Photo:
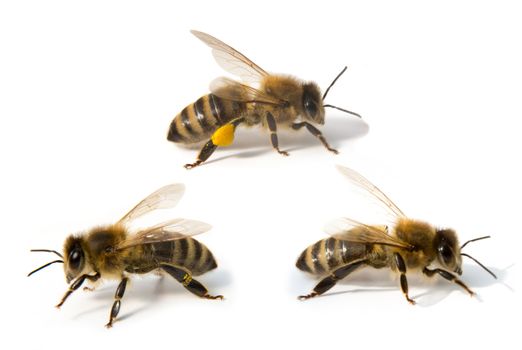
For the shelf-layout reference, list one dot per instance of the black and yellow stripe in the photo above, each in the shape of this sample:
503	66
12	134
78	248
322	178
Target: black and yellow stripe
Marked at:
193	256
326	255
198	121
186	253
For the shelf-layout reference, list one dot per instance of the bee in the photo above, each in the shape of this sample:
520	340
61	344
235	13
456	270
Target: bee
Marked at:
277	100
411	246
114	252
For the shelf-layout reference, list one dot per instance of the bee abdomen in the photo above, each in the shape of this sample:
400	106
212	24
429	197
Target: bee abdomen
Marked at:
193	255
199	120
328	254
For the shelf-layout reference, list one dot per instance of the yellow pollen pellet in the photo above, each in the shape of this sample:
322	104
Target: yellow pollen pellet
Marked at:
224	136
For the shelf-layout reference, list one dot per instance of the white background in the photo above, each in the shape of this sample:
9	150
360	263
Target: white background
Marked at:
88	90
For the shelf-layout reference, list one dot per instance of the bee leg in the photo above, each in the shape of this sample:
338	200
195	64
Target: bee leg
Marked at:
77	284
314	131
401	266
449	276
223	136
117	303
330	281
273	133
203	155
184	277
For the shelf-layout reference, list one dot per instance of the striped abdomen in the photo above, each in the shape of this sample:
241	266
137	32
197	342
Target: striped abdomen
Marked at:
198	121
186	253
328	254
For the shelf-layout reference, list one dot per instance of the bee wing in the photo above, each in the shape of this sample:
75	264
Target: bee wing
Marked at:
166	231
373	190
232	60
166	197
233	90
353	231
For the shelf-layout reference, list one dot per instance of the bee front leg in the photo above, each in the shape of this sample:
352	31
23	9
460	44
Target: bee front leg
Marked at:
449	276
117	303
328	282
273	133
77	284
401	266
314	131
184	277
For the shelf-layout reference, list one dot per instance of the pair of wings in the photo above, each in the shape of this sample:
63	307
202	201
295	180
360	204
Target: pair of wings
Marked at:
166	197
343	228
239	65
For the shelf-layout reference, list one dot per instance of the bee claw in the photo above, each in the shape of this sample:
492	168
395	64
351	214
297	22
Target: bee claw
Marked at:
308	296
214	297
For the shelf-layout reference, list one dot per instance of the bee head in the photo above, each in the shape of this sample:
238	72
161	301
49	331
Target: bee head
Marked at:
448	251
312	103
74	257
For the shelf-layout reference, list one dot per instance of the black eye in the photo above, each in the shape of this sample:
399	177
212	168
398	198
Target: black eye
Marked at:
75	259
446	253
310	107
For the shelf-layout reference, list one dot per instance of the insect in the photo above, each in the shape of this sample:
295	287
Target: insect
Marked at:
114	252
412	245
278	100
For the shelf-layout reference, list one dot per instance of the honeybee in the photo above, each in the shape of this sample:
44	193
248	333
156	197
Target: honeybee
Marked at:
114	252
412	245
278	100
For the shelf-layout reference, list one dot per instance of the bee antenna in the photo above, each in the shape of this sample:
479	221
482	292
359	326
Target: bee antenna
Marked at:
473	240
44	266
333	82
478	262
47	251
344	110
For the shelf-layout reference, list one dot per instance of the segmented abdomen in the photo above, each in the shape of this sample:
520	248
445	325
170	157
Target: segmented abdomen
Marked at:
186	253
199	120
328	254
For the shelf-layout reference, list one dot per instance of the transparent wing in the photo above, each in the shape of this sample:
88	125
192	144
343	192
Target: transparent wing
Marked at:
353	231
166	197
373	190
232	90
166	231
232	60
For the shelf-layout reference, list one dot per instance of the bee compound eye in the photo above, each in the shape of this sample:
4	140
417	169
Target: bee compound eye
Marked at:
446	253
75	258
310	107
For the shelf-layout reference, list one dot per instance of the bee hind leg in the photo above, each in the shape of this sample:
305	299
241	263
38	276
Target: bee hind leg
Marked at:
314	131
185	278
449	276
223	136
203	155
328	282
117	302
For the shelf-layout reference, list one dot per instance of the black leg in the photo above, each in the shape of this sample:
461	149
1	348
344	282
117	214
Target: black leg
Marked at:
210	146
76	284
401	266
184	277
330	281
273	133
314	131
449	276
117	303
203	155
